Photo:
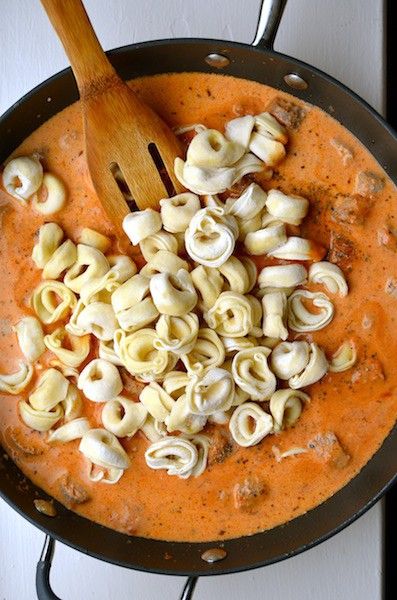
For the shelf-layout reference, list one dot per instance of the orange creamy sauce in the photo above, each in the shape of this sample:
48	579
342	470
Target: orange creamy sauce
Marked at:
359	405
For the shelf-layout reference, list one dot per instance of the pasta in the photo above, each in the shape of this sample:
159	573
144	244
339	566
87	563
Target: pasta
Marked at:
330	275
315	369
74	352
100	381
22	177
39	420
210	149
210	393
107	352
207	353
102	448
52	301
162	240
123	417
344	358
177	211
301	319
177	334
173	294
210	237
175	383
231	315
240	276
133	305
249	424
51	390
181	419
140	356
282	276
252	374
49	238
287	208
100	289
286	407
267	240
90	264
209	283
157	401
91	237
54	195
249	204
30	338
267	125
177	455
239	130
140	224
16	382
275	315
235	344
72	430
62	258
71	326
248	225
296	248
289	359
268	150
153	430
72	404
164	262
99	319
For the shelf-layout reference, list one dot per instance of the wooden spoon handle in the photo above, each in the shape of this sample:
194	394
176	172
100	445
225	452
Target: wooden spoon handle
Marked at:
74	29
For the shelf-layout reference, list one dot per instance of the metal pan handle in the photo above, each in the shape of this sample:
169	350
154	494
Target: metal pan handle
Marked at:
269	19
43	586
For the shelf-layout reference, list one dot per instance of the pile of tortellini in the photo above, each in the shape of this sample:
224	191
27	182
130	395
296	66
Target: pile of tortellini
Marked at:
197	324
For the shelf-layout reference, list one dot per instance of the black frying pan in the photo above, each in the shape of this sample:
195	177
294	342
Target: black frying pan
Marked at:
260	63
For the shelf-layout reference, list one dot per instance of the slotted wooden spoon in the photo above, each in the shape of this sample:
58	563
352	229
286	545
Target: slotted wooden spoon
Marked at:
120	130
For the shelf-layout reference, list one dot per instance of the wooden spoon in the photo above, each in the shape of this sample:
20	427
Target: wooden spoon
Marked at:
120	130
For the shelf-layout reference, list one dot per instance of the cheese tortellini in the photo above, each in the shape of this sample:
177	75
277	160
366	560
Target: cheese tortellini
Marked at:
133	305
178	211
123	417
289	359
177	334
286	407
210	393
287	208
54	196
90	263
275	315
22	177
16	382
173	294
103	449
140	356
52	301
208	352
30	338
140	224
211	237
252	374
344	358
179	456
330	275
71	350
315	369
100	381
231	316
249	424
301	319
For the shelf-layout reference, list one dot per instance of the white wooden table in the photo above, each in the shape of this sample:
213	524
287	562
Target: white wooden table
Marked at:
343	38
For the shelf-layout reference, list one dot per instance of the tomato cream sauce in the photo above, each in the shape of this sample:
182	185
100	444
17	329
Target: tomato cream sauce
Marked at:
243	490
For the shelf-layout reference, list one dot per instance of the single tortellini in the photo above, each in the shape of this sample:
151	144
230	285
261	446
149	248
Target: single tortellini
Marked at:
164	262
297	248
123	417
99	319
49	239
162	240
287	208
208	352
268	150
265	241
249	204
239	275
282	276
107	352
247	226
330	275
140	356
211	392
133	304
178	211
235	344
72	404
90	264
71	350
22	177
153	430
289	359
315	369
52	301
51	198
231	315
267	125
100	381
210	149
204	181
40	420
249	424
173	294
177	455
103	449
182	419
91	237
16	382
275	315
175	383
239	130
140	224
177	334
73	430
51	390
30	338
252	374
63	258
301	319
344	358
286	407
209	283
211	236
157	401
